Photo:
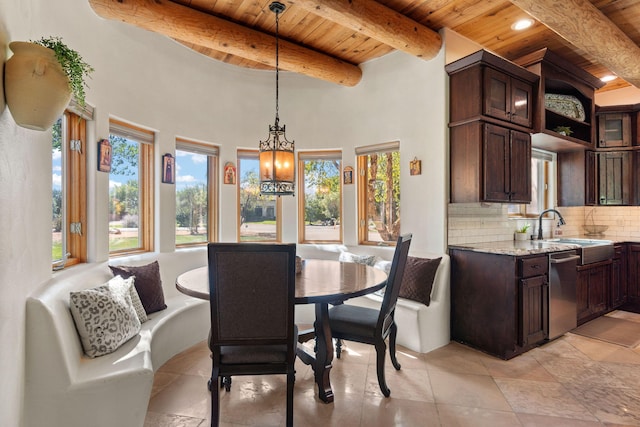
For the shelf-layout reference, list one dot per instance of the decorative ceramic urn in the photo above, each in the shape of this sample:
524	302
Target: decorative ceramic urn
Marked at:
36	88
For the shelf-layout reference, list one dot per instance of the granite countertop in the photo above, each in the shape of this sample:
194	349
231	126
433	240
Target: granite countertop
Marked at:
532	247
516	248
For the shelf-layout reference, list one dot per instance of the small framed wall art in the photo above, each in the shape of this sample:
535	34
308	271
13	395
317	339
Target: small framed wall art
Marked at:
168	169
229	173
104	155
347	175
415	166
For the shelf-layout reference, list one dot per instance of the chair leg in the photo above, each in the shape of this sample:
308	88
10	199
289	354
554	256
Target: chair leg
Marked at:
225	382
381	352
392	346
338	348
290	383
215	400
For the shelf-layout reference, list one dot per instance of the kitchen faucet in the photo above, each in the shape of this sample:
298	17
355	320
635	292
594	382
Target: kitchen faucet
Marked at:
560	221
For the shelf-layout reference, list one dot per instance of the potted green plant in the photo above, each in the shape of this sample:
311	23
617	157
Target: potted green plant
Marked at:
40	79
521	233
563	130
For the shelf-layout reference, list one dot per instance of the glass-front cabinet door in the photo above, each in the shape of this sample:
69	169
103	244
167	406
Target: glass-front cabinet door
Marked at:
614	130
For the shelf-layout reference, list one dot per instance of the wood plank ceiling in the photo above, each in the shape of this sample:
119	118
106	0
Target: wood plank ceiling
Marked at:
328	39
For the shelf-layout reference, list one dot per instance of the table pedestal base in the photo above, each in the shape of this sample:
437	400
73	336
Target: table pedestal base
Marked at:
321	360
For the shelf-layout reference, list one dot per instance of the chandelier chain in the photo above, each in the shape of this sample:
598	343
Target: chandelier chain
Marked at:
277	12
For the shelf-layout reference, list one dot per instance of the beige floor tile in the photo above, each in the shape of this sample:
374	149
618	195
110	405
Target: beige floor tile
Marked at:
463	416
346	377
456	357
611	405
626	376
522	367
194	359
187	396
169	420
587	374
408	384
383	412
602	351
542	398
559	348
534	420
476	391
161	380
309	411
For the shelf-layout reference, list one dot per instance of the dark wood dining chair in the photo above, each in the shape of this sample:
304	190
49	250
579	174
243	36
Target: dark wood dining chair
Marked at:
252	297
372	326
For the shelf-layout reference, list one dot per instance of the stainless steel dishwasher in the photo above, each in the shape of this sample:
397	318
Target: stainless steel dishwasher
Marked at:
563	314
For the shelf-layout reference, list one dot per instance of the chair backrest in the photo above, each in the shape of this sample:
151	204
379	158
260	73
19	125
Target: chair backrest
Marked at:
252	294
394	281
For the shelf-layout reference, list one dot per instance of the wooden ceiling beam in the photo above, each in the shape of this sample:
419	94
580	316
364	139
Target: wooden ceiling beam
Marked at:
580	23
378	22
191	26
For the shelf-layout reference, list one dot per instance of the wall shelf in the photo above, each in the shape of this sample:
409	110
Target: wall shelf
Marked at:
558	76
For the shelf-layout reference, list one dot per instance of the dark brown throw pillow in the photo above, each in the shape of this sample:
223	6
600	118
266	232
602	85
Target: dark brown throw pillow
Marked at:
147	282
417	281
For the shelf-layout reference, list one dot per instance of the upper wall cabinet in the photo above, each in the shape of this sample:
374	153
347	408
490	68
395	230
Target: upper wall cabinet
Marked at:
483	86
507	98
614	130
489	163
618	126
565	116
491	115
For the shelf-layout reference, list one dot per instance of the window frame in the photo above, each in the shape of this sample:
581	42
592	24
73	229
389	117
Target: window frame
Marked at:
317	155
212	153
546	185
362	154
146	140
250	154
74	186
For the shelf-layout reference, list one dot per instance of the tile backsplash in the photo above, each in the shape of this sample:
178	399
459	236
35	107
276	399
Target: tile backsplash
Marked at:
487	222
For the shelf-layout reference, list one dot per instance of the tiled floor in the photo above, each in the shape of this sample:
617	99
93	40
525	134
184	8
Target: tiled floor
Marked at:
572	381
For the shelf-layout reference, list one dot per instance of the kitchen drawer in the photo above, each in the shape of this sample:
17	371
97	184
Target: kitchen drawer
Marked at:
534	266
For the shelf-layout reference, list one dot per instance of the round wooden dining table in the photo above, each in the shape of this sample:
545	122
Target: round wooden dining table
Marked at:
320	282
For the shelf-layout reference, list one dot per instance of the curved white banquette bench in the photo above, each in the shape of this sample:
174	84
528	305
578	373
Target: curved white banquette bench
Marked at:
421	328
65	388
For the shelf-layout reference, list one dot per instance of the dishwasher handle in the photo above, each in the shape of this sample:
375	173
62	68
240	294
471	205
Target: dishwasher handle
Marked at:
562	260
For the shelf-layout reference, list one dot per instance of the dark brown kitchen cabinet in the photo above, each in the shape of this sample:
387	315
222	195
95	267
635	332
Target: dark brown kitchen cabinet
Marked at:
577	178
591	178
507	98
489	163
490	123
483	86
608	178
592	290
633	278
499	303
615	177
534	310
614	130
619	277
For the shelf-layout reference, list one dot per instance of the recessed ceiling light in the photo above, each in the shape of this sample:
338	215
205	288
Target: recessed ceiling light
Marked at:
522	24
608	78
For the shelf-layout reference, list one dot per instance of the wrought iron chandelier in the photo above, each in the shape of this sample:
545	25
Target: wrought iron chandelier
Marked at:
277	160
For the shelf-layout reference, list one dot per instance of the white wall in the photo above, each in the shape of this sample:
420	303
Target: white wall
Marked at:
629	95
156	83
